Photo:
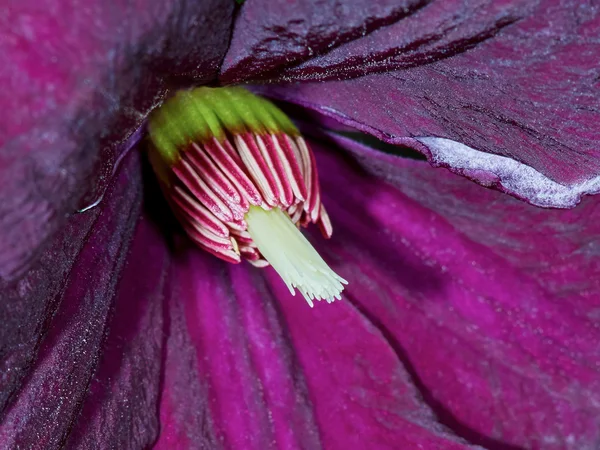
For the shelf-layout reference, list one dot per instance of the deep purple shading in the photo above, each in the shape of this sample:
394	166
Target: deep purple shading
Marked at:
76	82
55	319
437	30
120	410
554	131
269	34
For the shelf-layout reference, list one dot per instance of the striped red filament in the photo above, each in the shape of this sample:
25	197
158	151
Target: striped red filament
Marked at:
216	182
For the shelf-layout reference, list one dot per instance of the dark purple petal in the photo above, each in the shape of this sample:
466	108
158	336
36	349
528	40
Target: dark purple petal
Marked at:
121	407
529	93
490	304
76	80
242	374
437	30
185	416
56	317
269	34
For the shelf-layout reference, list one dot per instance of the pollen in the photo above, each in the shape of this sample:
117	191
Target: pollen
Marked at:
241	180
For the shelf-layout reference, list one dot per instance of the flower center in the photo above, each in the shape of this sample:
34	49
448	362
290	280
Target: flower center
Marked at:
241	179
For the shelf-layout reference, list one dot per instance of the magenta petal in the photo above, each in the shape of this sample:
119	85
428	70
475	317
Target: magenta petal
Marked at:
490	303
55	319
363	396
231	374
78	80
243	375
269	34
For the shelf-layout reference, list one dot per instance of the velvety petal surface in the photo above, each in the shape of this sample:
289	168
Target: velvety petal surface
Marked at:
528	92
121	407
54	324
271	34
437	30
470	319
489	304
427	32
77	79
248	367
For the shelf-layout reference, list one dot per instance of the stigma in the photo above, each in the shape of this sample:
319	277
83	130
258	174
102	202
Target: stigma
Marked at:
241	180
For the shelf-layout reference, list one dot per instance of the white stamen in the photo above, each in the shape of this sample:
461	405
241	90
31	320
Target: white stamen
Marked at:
292	256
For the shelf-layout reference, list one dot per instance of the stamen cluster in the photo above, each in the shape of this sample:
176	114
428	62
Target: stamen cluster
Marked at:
221	153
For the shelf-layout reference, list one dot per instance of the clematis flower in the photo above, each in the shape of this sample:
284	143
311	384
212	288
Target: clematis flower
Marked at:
471	314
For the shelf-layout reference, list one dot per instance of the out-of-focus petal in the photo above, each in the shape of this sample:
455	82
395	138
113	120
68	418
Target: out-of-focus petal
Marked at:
55	320
271	34
76	80
490	304
236	375
529	93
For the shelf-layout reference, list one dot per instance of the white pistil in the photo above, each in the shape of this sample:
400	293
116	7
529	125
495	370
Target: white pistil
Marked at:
292	256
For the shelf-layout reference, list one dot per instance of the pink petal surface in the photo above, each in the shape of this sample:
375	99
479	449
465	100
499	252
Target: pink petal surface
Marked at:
256	396
76	81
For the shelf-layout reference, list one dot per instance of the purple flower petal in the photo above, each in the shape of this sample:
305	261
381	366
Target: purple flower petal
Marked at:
470	317
121	406
231	375
528	93
242	373
490	304
436	30
55	318
77	80
269	34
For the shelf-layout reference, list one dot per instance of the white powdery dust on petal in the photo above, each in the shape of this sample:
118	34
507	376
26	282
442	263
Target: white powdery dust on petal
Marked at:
515	178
